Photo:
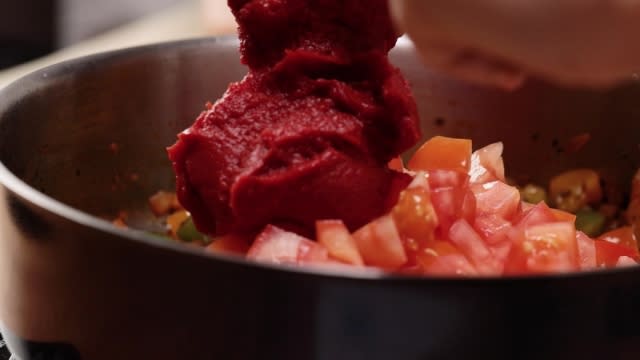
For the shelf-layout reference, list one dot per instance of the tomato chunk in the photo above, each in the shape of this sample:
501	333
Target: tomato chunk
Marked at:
536	215
487	164
608	254
561	215
497	198
444	259
447	179
415	217
451	198
278	246
442	153
465	238
586	251
622	236
492	228
380	244
335	236
545	248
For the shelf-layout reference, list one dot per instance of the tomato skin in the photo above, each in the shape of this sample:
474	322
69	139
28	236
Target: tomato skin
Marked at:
544	248
497	198
624	236
608	254
335	236
442	153
275	245
379	244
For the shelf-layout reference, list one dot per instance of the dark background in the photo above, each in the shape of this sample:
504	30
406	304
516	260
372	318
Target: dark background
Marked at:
33	28
27	30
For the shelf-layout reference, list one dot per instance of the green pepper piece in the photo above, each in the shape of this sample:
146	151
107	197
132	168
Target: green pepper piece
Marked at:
590	222
533	194
188	232
159	236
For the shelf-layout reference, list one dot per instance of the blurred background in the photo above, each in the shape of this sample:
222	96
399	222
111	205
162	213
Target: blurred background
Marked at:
31	29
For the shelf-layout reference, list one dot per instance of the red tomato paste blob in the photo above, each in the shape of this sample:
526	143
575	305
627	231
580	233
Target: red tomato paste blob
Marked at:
308	133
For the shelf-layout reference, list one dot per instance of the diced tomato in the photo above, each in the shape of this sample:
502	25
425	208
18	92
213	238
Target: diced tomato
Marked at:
586	251
564	216
492	228
442	153
465	238
625	261
426	256
452	204
396	164
487	164
501	251
546	248
450	265
278	246
335	236
420	180
608	254
233	244
380	244
537	215
469	206
447	179
415	217
496	198
444	259
437	248
525	206
623	236
447	263
450	197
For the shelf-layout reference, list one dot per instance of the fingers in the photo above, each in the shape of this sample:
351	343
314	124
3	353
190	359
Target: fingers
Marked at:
474	67
575	42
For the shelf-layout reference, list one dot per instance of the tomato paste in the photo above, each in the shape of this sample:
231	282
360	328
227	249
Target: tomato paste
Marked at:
308	133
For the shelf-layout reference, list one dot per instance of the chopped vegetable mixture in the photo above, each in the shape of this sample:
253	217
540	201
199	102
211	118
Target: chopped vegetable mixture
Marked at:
458	217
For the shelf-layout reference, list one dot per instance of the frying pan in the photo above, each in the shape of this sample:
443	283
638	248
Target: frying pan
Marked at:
84	139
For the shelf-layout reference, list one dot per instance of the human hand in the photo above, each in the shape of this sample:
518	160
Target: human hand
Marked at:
573	42
217	17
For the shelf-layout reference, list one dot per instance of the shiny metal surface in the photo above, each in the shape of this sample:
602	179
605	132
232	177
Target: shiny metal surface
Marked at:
83	140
